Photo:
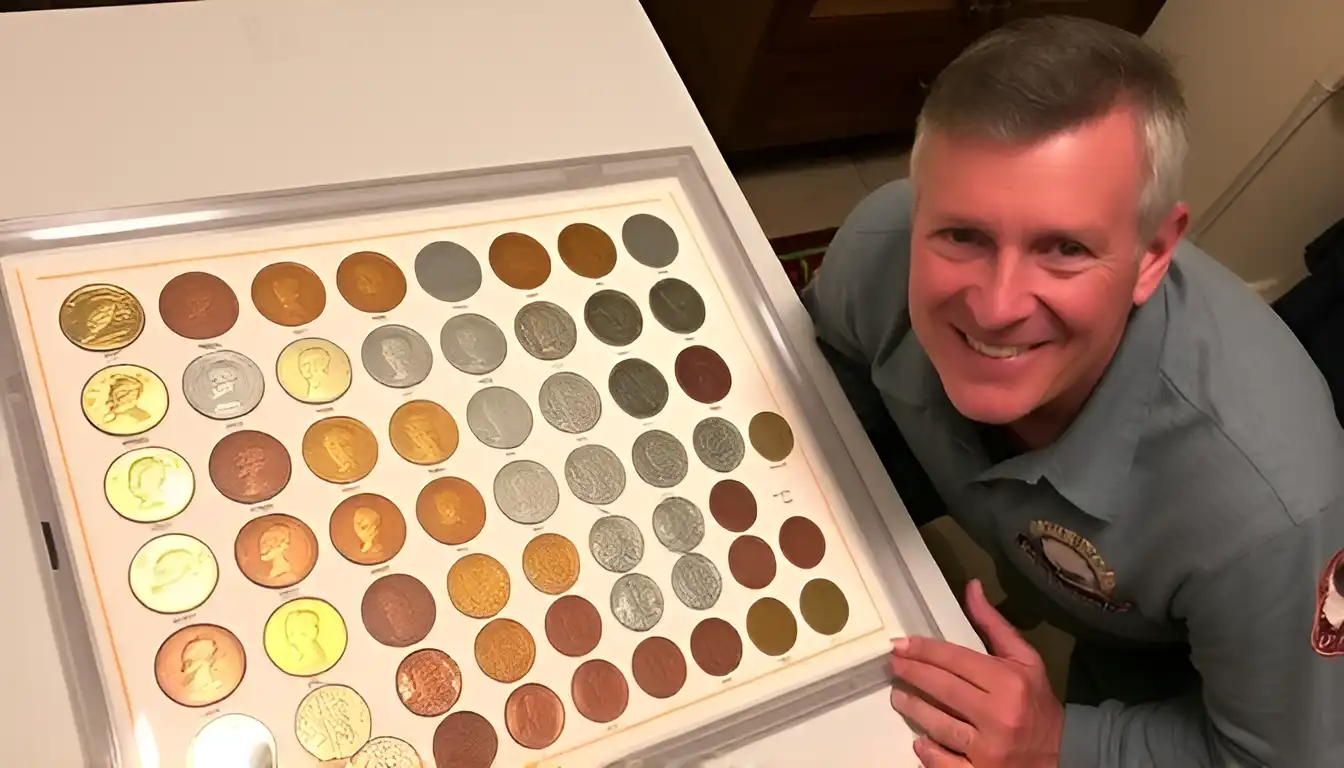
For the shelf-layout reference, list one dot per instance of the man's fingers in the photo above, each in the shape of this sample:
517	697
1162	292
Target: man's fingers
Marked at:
950	690
1002	637
939	725
973	666
933	756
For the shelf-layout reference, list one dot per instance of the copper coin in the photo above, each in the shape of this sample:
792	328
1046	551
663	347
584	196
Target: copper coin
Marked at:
751	562
802	542
771	436
200	665
505	650
659	667
422	432
465	740
367	529
824	606
275	551
450	510
771	626
429	682
288	294
398	610
520	261
716	647
371	282
703	374
587	250
198	305
340	449
249	467
732	505
534	716
573	626
599	691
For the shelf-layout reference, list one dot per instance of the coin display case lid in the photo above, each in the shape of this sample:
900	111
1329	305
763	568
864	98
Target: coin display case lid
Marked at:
338	476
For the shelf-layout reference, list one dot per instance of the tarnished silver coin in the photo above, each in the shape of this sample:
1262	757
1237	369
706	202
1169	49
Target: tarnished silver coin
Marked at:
545	330
719	444
638	388
499	417
616	543
473	344
649	240
696	581
678	524
636	602
595	474
659	459
223	385
569	402
613	318
526	492
677	306
396	356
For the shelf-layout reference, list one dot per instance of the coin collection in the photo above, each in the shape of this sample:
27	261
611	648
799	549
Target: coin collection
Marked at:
482	485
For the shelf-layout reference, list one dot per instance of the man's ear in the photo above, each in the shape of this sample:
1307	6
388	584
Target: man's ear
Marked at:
1157	252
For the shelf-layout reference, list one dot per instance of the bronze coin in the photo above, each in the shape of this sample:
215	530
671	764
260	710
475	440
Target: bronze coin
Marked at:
198	305
398	610
771	436
340	449
423	432
534	716
505	650
802	542
752	562
771	626
200	665
249	467
824	606
599	691
659	667
732	505
587	250
716	647
275	551
371	282
450	510
520	261
703	374
367	529
465	740
429	682
288	294
573	626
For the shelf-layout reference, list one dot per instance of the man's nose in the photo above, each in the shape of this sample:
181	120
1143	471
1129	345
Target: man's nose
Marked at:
1001	296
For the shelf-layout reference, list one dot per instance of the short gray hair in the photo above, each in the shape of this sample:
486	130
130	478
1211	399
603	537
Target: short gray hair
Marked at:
1033	79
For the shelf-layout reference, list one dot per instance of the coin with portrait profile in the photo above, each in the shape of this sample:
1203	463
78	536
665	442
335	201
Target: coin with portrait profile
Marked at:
101	317
288	293
371	282
275	551
223	385
198	305
305	637
429	682
398	610
313	371
499	417
473	343
367	529
505	650
422	432
333	722
478	585
340	449
200	665
386	752
249	467
149	485
125	400
173	573
450	510
396	356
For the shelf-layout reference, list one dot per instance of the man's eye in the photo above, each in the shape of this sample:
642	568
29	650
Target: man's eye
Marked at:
1071	248
963	236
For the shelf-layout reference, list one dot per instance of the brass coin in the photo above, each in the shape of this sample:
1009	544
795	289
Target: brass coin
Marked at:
173	573
288	294
551	563
249	467
198	305
333	722
429	682
450	510
149	485
478	585
275	551
771	626
505	650
519	261
340	449
200	665
534	716
367	529
770	436
371	282
125	400
587	250
398	610
102	318
422	432
824	606
305	637
233	740
386	752
313	371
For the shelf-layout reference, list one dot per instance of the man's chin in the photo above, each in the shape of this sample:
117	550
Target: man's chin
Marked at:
989	404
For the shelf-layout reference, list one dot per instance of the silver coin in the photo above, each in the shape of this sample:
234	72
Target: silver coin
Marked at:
595	474
677	306
678	524
636	602
473	344
719	444
638	388
526	492
616	543
396	356
545	330
499	417
613	318
569	402
223	385
448	272
649	240
659	459
696	582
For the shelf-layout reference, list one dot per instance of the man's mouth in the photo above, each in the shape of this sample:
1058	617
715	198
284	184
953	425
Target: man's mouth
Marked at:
996	351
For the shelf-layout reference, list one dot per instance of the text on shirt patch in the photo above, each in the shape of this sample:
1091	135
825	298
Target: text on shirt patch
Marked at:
1072	561
1327	631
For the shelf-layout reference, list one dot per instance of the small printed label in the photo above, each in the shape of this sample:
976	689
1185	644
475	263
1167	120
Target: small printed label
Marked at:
436	470
160	527
350	488
233	425
378	317
381	569
263	508
211	345
184	618
136	441
326	409
286	593
784	496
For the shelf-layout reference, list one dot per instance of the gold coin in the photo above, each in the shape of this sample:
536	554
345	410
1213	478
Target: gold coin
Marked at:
340	449
386	752
551	563
149	485
101	318
505	650
478	585
173	573
305	637
125	400
313	371
422	432
333	722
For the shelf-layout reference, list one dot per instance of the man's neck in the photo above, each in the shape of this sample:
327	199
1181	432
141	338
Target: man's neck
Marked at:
1044	425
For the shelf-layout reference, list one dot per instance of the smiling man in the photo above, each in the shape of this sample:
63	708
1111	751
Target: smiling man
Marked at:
1145	449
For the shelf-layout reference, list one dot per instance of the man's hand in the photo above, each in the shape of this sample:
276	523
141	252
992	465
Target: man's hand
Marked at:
995	710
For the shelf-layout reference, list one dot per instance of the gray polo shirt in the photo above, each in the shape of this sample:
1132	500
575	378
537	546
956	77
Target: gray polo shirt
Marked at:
1197	502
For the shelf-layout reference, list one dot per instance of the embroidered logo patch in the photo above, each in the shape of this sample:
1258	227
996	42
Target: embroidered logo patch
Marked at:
1073	562
1327	631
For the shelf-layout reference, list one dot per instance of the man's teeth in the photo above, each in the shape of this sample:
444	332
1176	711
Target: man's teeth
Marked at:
993	350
